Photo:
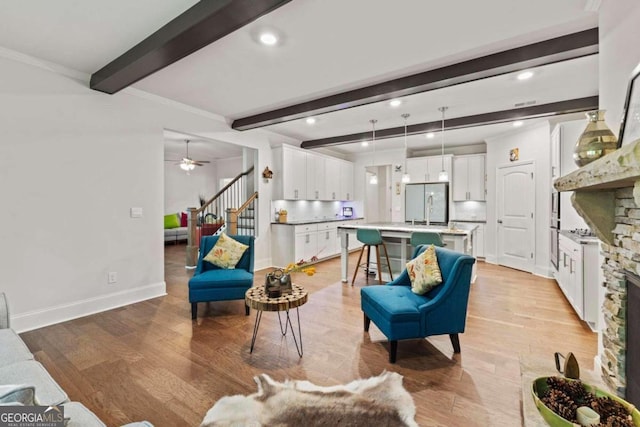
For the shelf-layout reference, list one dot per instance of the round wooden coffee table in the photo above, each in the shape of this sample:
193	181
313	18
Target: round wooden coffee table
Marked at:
257	299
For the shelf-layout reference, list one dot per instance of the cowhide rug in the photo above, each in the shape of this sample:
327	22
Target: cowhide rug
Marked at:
377	401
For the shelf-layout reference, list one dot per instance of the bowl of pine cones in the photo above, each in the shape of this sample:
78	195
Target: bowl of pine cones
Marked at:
560	401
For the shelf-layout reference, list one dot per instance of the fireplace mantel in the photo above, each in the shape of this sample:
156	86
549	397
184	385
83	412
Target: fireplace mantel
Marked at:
594	187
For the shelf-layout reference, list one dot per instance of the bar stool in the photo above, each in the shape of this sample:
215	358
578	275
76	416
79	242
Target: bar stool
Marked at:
426	238
371	238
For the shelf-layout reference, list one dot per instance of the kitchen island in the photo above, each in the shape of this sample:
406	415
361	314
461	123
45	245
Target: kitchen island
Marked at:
396	236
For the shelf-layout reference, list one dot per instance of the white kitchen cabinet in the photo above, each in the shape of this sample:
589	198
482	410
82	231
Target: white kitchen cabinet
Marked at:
291	243
427	169
306	242
289	174
327	239
469	178
478	239
300	175
316	182
331	178
577	276
346	180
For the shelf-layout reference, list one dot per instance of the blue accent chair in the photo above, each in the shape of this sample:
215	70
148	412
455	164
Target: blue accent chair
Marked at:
400	314
212	283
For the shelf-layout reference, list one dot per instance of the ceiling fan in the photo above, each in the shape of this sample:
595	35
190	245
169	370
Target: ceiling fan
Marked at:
187	163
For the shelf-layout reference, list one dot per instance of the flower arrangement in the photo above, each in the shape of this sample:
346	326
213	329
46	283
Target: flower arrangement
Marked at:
302	266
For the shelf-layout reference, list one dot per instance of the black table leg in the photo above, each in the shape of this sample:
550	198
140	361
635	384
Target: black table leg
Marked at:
256	325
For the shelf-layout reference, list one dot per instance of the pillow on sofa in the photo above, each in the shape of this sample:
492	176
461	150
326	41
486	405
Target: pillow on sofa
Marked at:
184	219
424	271
171	221
226	252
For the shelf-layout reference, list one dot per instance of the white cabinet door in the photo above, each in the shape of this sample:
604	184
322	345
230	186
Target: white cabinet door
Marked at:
332	174
417	168
294	174
315	174
476	177
306	245
469	178
346	180
460	178
478	241
327	242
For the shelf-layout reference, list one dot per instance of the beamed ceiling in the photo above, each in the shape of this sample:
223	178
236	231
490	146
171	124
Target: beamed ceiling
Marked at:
338	61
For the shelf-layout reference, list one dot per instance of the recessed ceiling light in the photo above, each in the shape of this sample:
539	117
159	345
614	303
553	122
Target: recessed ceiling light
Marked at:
525	75
395	102
365	143
311	120
517	124
430	135
268	39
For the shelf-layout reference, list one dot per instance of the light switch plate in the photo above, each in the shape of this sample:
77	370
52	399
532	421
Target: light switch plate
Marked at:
136	212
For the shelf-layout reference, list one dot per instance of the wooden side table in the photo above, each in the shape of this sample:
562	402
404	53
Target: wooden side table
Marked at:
257	299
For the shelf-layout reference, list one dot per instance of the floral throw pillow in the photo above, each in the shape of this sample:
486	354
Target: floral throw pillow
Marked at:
226	252
424	271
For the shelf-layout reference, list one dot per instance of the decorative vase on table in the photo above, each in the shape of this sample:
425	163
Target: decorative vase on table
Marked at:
595	141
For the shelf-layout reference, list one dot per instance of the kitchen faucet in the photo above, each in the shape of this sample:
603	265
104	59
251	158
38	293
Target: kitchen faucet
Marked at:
429	207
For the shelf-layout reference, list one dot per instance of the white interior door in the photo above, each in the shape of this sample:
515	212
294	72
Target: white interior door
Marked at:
515	214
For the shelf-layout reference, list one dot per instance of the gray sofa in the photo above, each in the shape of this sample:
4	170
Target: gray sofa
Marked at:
24	381
175	234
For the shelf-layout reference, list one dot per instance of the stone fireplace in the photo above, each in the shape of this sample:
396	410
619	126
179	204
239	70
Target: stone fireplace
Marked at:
620	257
607	196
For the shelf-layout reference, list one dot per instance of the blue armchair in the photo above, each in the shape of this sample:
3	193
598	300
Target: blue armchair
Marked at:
400	314
212	283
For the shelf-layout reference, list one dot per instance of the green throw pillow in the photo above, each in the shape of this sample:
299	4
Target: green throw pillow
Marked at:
171	221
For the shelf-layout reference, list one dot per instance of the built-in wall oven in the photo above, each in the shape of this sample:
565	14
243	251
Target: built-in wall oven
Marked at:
555	227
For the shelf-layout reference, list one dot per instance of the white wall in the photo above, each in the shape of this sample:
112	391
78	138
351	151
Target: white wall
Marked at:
181	190
534	145
72	163
619	29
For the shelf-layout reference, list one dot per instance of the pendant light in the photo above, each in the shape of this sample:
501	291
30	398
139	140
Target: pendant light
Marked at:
405	176
374	178
443	175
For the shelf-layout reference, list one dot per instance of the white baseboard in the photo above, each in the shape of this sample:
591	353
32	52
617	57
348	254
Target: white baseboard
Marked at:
546	272
491	259
260	264
40	318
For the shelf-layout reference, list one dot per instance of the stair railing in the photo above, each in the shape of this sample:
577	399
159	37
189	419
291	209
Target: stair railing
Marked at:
217	211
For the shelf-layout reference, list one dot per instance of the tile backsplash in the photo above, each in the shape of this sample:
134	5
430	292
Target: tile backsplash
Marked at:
469	211
298	210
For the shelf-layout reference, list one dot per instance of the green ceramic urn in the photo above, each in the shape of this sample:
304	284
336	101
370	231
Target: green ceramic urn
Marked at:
595	141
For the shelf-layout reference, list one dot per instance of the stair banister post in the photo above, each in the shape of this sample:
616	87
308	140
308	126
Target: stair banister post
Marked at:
192	238
233	220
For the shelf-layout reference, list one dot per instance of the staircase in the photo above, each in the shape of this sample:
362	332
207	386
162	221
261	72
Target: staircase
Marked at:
232	210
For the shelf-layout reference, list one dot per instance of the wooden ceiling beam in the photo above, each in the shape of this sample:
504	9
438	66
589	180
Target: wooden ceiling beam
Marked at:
546	52
535	111
199	26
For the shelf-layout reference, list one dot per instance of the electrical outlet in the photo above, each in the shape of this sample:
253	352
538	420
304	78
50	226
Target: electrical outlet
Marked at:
112	277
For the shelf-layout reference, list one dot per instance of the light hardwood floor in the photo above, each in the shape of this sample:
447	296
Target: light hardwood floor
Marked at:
150	361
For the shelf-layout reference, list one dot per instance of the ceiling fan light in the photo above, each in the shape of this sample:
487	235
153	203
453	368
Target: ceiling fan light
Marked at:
184	166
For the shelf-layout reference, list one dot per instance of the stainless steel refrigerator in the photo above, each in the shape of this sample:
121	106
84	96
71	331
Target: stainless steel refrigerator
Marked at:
427	203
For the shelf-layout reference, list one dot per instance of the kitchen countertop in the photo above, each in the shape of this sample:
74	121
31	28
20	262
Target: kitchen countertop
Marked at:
317	221
578	238
478	221
461	230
